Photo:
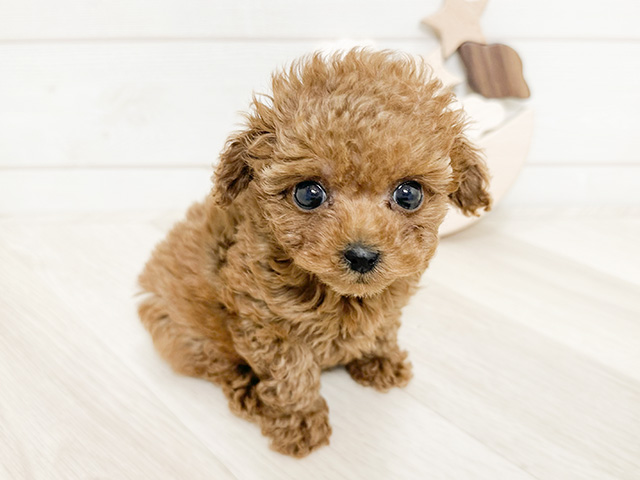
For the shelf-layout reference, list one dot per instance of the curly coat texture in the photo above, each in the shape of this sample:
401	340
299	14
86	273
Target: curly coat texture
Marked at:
252	293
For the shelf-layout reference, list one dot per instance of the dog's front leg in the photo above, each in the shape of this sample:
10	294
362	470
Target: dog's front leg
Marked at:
385	367
290	409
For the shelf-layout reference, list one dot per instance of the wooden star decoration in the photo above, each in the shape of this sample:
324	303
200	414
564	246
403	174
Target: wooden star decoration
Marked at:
436	62
456	22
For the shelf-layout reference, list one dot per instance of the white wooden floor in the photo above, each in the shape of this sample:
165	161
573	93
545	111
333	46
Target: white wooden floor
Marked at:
525	341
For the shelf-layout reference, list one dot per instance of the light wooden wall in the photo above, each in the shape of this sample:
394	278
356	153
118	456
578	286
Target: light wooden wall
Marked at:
126	103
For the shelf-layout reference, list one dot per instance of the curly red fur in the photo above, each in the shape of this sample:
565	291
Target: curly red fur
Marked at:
252	293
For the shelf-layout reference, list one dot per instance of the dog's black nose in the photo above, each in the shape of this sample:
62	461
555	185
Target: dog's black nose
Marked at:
361	259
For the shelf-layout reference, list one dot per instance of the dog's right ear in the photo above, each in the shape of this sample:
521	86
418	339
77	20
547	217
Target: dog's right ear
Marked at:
237	162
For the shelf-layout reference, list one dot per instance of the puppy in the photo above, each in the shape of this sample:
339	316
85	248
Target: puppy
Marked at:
324	213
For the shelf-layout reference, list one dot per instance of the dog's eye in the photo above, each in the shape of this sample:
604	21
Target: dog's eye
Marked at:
309	195
408	195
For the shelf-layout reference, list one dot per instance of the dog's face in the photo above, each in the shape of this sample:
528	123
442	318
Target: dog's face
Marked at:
353	165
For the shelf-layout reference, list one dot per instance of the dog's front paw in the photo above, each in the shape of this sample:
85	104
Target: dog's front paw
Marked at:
382	373
298	433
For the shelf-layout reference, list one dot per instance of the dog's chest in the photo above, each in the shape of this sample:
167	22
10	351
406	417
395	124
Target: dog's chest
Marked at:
340	351
343	333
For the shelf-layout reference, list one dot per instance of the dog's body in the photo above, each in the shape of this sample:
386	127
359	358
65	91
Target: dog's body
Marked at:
258	291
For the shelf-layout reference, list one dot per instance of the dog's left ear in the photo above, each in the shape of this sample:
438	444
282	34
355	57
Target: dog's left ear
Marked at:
470	178
238	161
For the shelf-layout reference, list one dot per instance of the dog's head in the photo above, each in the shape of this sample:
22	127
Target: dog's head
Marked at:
352	161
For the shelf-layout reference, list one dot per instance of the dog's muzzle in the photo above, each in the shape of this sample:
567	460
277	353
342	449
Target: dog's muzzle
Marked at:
360	258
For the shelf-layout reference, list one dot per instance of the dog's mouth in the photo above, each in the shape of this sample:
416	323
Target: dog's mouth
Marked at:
369	278
359	271
359	288
354	284
358	278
